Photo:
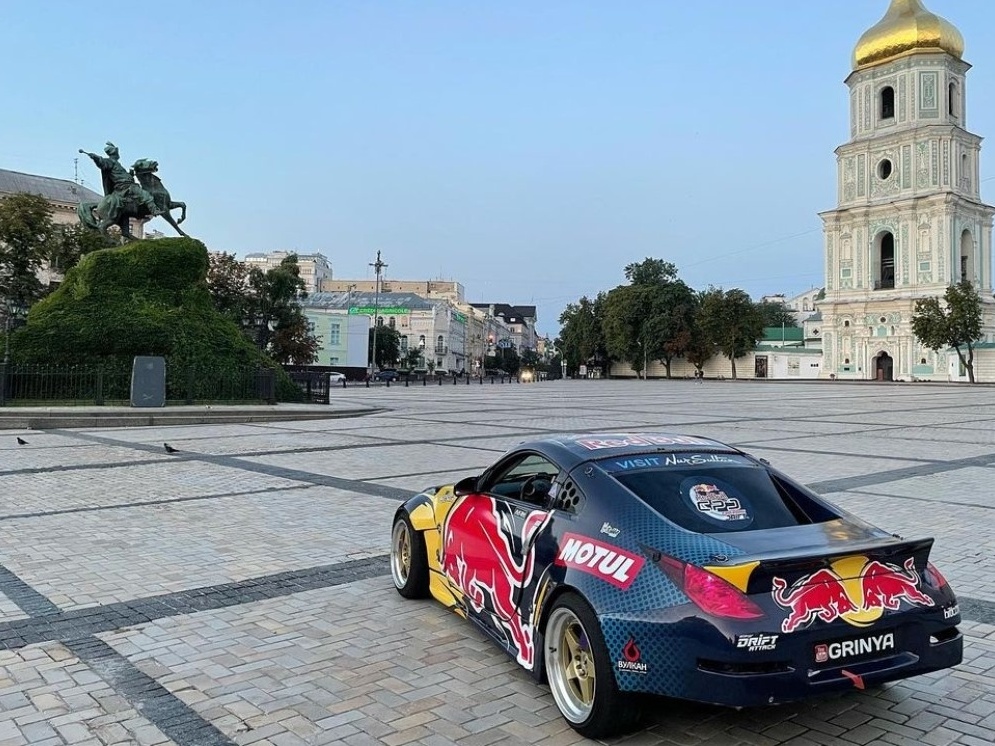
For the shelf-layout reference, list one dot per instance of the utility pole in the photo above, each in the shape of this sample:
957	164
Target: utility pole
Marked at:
378	267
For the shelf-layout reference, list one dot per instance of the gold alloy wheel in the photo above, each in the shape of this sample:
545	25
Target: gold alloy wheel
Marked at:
400	553
570	665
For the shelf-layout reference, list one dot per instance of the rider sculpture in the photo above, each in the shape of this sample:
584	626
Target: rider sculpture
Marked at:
124	198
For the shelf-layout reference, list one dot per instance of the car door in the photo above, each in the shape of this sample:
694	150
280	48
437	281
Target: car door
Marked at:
489	546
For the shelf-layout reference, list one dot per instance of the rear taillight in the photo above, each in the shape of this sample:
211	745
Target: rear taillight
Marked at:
934	578
709	592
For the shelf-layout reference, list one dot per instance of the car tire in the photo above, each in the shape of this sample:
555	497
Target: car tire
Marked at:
408	559
581	677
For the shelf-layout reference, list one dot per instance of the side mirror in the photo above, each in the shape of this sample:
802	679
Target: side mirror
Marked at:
465	486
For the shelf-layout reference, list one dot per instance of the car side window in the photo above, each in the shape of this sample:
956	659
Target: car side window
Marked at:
527	478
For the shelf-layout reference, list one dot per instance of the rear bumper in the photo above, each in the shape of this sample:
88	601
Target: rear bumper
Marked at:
713	671
745	689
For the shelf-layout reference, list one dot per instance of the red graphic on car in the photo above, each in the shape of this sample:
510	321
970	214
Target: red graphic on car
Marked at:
479	559
854	589
886	586
819	595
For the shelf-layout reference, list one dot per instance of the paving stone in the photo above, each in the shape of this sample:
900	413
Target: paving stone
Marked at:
189	567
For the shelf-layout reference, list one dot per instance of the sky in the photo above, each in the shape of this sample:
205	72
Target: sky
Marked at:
528	149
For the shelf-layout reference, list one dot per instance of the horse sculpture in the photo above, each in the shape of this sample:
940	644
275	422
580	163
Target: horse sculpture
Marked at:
145	171
124	200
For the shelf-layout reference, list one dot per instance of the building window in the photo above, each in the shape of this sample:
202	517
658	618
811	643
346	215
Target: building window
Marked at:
404	343
334	335
888	102
379	320
884	169
966	257
391	322
953	102
884	261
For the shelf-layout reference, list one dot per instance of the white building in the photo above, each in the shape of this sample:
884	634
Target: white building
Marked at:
517	324
437	329
313	267
909	220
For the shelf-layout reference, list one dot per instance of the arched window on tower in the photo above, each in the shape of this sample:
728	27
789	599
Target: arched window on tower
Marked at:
887	102
967	273
883	261
953	100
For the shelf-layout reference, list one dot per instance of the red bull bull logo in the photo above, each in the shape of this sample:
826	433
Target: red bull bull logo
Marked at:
854	589
489	563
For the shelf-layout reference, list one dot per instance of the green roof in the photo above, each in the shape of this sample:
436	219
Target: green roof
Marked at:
785	333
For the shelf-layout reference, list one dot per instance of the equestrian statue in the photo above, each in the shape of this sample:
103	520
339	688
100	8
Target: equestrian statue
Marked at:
124	199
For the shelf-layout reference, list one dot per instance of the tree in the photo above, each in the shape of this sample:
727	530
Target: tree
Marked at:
508	360
530	359
27	238
72	242
777	314
273	315
651	318
582	339
625	327
731	321
227	282
650	272
671	321
958	325
413	358
388	346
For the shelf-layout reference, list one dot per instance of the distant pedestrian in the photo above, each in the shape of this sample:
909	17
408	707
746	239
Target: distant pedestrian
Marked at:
699	376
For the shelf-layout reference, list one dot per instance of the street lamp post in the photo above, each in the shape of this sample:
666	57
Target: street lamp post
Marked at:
9	310
378	267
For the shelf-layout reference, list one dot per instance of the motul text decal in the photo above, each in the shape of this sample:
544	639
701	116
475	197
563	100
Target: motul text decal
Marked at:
604	561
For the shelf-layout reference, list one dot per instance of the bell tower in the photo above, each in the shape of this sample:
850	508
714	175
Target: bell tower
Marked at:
909	219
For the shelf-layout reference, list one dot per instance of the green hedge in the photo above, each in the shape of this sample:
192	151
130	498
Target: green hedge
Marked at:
145	298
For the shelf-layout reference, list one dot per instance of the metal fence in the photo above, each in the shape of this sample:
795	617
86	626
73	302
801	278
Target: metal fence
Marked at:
22	384
318	386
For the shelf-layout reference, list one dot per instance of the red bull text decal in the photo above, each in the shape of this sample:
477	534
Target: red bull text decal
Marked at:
855	589
625	440
611	564
487	562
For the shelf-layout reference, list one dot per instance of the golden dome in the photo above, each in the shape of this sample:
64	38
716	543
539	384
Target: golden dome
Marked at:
906	26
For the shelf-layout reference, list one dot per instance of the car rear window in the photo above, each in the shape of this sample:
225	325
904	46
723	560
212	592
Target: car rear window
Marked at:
705	492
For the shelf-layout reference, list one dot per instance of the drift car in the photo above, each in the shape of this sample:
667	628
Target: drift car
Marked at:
609	565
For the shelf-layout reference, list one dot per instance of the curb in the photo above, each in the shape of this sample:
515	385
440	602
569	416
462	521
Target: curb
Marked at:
29	420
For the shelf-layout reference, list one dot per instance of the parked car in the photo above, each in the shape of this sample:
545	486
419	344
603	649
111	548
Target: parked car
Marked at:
613	565
335	377
387	374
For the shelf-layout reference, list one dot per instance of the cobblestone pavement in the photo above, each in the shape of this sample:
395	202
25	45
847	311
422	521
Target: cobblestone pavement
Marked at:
237	591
